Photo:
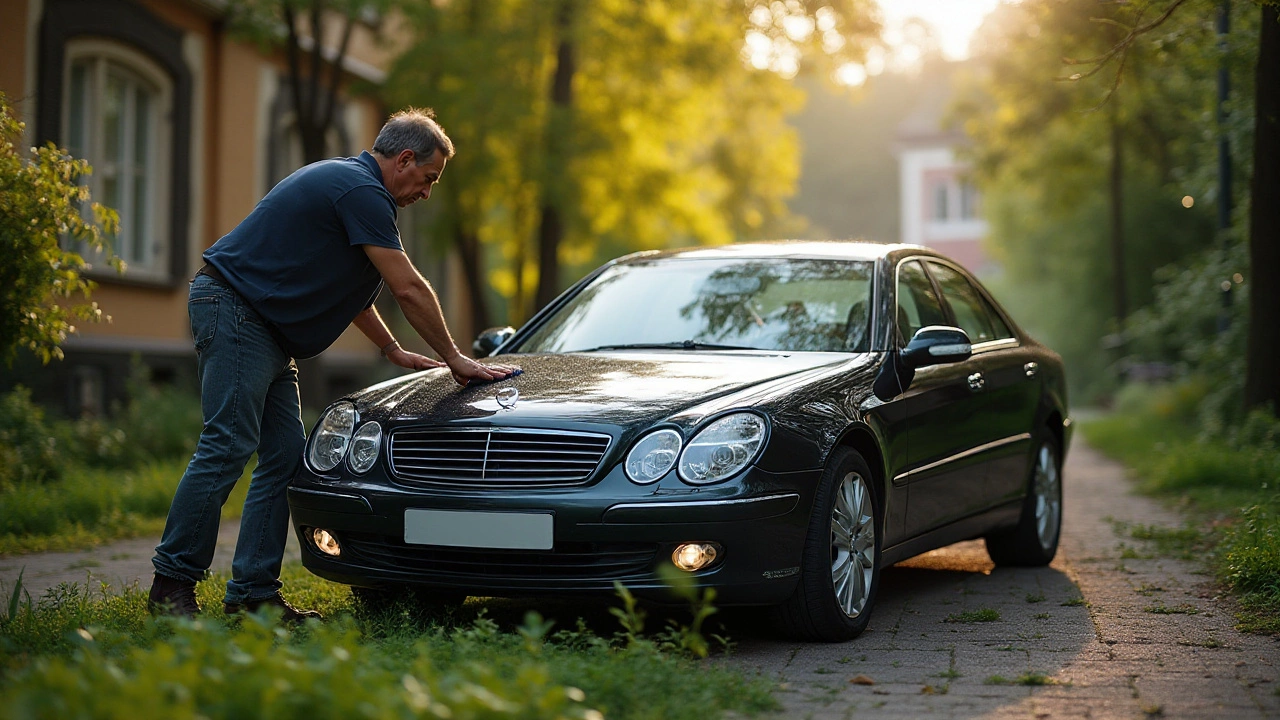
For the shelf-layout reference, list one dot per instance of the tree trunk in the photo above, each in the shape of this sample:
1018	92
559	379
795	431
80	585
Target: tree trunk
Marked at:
1117	218
1262	378
314	101
469	252
551	224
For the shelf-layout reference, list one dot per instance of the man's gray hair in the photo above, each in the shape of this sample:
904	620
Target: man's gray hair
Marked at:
413	129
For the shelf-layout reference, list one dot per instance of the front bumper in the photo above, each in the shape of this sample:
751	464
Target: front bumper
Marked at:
611	531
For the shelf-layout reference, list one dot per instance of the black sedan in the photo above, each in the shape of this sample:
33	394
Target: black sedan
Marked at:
778	421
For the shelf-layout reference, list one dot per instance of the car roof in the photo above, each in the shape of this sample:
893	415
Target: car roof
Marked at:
794	249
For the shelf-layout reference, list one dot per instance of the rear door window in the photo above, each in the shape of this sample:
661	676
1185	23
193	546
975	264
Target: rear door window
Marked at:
973	313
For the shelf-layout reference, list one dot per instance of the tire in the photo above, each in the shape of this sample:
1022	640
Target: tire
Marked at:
1034	541
405	597
840	565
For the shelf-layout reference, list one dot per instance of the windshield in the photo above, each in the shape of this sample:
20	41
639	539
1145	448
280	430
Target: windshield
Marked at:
764	304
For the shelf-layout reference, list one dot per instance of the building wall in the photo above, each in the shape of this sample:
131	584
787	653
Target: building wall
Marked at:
922	169
232	87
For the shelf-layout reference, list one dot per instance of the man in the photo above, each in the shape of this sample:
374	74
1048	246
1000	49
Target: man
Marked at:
306	263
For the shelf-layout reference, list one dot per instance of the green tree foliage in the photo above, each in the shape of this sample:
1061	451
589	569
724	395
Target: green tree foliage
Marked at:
40	211
1085	156
668	136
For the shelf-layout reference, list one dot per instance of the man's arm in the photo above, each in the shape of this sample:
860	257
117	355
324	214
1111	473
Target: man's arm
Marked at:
421	307
370	323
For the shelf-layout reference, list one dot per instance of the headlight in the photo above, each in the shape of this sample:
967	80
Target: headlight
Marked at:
364	447
722	449
653	456
332	436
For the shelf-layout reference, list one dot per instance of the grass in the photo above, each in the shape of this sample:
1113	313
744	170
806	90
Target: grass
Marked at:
73	484
92	506
1229	481
1162	609
75	653
973	616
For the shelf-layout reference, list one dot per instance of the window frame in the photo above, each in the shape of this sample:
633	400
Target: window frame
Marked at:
135	26
897	339
148	263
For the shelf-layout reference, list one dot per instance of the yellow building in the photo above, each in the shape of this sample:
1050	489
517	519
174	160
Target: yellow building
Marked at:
186	127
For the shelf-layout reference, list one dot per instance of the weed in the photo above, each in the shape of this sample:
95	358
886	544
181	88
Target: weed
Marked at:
1218	470
1042	616
1037	598
973	616
1162	609
1030	679
96	654
1073	602
949	674
1153	710
1211	643
1148	589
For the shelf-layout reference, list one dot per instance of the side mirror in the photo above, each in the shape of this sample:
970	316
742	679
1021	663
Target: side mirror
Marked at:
936	345
490	339
932	345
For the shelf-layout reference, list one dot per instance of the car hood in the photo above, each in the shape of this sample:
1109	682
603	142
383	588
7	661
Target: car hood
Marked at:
611	388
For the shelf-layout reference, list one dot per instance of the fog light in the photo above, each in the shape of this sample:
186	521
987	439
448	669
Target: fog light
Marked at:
326	543
695	556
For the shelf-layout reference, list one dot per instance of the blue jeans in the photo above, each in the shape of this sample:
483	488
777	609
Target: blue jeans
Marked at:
249	400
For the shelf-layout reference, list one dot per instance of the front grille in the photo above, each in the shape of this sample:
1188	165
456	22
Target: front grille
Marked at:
569	561
496	457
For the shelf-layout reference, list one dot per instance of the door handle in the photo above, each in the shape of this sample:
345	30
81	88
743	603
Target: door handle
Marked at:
977	382
1031	369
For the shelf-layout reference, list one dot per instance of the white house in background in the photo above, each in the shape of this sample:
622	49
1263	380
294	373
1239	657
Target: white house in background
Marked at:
940	207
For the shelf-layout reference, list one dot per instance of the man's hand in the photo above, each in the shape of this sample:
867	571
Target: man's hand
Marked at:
466	370
411	360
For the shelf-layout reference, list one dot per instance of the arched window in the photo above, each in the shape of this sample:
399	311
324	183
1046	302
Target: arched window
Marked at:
117	108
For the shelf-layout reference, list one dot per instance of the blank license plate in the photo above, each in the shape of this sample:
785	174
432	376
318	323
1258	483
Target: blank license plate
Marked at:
457	528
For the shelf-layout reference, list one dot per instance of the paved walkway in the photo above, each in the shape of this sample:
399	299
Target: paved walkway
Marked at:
1099	634
118	565
1095	635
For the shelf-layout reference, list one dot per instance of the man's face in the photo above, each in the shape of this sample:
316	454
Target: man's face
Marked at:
411	182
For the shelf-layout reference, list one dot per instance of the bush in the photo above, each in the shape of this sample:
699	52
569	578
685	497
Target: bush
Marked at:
158	423
28	448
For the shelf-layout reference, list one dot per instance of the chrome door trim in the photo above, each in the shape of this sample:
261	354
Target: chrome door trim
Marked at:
899	479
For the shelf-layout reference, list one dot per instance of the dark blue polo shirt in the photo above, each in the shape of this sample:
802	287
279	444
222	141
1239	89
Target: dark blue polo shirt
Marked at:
297	258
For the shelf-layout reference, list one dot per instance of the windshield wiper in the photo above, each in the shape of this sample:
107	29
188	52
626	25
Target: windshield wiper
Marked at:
683	345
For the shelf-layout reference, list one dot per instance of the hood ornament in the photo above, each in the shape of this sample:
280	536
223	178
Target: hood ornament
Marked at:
507	397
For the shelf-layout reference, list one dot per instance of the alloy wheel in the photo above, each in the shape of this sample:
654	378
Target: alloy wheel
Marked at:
853	544
1048	496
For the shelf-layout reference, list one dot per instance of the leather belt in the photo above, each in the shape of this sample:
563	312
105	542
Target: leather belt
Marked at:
212	272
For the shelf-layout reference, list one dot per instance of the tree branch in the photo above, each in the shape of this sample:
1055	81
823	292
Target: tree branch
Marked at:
331	98
295	69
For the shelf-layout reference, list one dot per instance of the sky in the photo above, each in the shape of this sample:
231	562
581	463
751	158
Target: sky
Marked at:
953	23
953	20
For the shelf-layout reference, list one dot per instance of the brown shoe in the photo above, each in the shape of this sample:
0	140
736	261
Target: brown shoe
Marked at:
289	613
170	596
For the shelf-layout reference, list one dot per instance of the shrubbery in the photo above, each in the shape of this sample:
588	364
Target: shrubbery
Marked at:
67	483
71	654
